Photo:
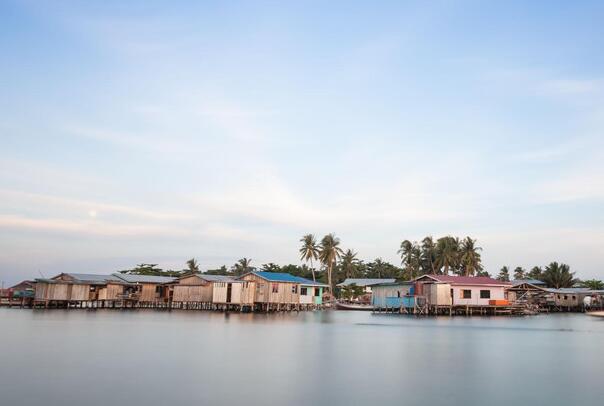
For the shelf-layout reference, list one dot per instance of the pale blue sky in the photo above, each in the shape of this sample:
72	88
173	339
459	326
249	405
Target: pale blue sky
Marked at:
156	132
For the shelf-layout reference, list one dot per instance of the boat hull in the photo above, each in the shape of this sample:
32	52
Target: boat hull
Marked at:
349	306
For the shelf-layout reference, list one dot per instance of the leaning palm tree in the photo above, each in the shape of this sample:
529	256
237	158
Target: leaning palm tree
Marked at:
309	251
349	263
447	253
469	256
329	252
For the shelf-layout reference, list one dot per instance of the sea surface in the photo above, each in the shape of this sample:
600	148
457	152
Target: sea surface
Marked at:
148	357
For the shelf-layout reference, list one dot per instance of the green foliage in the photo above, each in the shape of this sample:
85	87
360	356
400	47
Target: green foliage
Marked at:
504	274
151	270
329	253
519	273
469	258
270	267
242	267
535	273
192	266
593	284
411	256
447	254
351	291
223	270
349	264
558	276
309	251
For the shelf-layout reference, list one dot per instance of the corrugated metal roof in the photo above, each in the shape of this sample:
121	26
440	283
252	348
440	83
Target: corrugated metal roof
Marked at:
144	278
308	282
465	280
217	278
285	277
365	281
569	290
90	277
535	282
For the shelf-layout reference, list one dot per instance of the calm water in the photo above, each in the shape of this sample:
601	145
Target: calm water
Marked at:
332	358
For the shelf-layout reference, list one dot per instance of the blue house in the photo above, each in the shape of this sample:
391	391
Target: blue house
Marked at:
393	295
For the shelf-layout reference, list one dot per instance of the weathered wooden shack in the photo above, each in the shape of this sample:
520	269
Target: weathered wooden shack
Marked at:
71	289
197	291
149	291
275	290
238	294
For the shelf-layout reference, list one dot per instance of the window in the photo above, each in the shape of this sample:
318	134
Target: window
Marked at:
565	297
157	289
275	288
317	292
485	294
294	289
574	297
466	294
304	291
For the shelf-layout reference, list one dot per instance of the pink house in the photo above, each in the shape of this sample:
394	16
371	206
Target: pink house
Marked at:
446	290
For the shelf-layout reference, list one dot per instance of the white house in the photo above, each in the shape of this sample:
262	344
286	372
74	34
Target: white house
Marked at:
461	290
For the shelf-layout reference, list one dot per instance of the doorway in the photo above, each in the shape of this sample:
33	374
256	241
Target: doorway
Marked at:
229	292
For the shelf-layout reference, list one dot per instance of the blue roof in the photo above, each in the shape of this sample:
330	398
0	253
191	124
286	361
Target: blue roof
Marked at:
285	277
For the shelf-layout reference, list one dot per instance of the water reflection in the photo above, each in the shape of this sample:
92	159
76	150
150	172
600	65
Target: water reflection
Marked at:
81	357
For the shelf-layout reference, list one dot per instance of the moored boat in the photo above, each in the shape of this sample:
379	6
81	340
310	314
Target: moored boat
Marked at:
353	306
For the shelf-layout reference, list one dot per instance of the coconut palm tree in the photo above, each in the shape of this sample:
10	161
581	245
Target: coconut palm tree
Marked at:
428	256
242	266
469	257
329	252
193	266
349	263
447	253
535	273
519	273
558	276
504	274
410	257
309	251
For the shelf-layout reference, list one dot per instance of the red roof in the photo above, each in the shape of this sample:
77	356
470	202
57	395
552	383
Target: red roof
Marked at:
466	280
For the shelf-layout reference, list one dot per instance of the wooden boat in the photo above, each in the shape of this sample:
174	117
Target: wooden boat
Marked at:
353	306
596	314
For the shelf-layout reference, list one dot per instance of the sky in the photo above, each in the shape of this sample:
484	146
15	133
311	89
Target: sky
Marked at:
148	131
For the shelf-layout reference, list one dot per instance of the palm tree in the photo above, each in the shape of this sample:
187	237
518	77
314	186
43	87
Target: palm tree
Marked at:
329	252
447	253
519	273
535	273
410	257
193	265
428	256
558	276
349	262
469	256
309	251
504	274
242	266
